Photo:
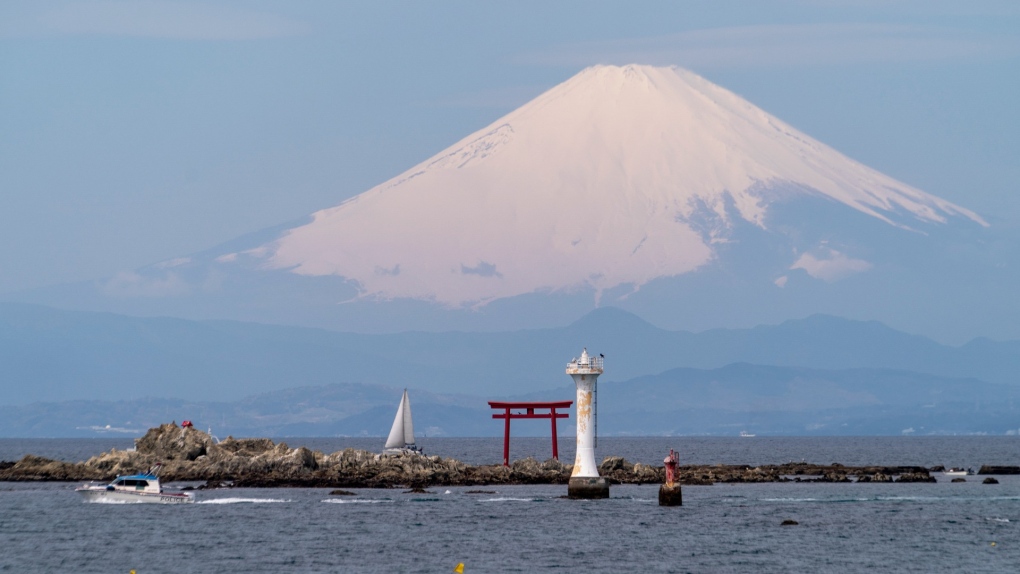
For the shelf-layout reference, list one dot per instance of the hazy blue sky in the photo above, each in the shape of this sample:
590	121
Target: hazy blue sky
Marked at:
132	132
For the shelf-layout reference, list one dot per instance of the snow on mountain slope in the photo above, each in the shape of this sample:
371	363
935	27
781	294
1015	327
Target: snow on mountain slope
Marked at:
618	176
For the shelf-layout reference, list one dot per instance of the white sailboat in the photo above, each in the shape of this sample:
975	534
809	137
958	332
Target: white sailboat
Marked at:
401	439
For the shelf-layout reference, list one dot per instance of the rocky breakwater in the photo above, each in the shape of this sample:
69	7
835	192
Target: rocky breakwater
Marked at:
618	470
188	454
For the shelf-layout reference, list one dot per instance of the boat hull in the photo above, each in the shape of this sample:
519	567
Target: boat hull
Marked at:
957	472
102	495
410	449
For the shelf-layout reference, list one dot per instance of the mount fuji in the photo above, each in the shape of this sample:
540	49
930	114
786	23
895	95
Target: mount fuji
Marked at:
618	176
647	188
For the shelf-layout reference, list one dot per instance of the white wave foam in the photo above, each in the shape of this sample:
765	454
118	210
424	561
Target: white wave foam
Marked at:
509	499
240	500
945	498
817	499
789	500
108	501
894	499
998	519
913	498
356	500
634	498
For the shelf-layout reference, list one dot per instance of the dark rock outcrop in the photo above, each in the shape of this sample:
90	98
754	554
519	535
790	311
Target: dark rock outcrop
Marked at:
990	480
916	477
992	469
614	463
877	477
170	442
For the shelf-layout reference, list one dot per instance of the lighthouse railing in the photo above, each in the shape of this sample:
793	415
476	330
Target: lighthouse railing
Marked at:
593	363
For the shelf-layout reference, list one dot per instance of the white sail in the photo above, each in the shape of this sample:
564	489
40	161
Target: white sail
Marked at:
405	407
402	431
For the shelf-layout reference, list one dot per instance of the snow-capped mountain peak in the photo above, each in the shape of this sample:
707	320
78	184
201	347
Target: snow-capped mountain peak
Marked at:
618	176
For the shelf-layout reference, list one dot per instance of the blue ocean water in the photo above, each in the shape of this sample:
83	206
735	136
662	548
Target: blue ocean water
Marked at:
970	527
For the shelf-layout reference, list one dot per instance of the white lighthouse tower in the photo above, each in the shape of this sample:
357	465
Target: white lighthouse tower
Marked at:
585	481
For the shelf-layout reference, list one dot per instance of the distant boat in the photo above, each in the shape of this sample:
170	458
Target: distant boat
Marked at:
401	439
744	433
953	471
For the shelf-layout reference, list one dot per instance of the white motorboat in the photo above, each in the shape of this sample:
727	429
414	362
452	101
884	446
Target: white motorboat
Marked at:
401	439
134	488
953	471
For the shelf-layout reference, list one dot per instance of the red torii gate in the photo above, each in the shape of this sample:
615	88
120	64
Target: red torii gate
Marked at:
529	413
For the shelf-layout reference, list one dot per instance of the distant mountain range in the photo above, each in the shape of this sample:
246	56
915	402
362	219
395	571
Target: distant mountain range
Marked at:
51	355
758	399
69	373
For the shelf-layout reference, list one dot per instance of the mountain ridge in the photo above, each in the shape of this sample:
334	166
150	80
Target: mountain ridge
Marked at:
49	354
740	396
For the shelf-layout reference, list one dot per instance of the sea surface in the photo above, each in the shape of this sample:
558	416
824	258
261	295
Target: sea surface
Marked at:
964	527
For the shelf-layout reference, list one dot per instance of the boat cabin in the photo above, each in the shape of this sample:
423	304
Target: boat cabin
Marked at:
137	482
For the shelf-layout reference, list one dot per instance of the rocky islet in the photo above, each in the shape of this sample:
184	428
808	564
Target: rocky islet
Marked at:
191	455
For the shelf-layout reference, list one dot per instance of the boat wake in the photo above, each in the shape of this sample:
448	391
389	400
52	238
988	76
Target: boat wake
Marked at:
818	499
241	500
510	499
894	499
944	498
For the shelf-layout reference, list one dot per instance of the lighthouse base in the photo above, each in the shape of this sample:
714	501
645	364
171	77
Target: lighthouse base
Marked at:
588	487
670	495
